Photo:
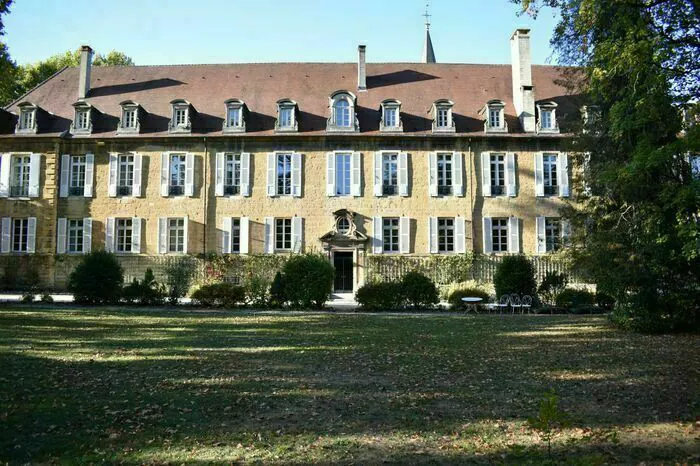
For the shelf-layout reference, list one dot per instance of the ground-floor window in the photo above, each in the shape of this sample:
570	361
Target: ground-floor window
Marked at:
124	236
75	235
283	234
446	234
499	234
390	234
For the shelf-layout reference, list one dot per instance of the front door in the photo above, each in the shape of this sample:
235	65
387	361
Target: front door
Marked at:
342	261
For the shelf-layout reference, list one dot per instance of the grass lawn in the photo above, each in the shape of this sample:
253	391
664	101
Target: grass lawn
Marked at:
133	386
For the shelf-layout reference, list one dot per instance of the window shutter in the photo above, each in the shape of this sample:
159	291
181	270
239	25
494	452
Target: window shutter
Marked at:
113	173
510	174
271	174
566	232
245	174
269	235
460	235
226	232
330	174
356	175
378	181
189	174
138	172
403	174
457	175
87	235
487	233
109	234
61	228
136	235
6	234
541	246
404	235
296	174
377	238
5	162
89	175
563	174
513	235
486	174
432	174
31	235
297	234
65	175
432	235
34	174
539	174
245	233
220	168
165	174
162	235
186	235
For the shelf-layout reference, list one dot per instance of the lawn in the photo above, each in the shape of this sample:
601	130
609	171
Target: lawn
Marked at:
134	386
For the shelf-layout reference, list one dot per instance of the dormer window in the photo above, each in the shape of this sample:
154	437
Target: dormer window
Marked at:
494	117
26	123
391	116
82	122
181	120
343	118
130	122
235	116
547	122
442	116
286	116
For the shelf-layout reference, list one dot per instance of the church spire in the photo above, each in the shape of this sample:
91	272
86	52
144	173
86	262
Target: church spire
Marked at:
428	52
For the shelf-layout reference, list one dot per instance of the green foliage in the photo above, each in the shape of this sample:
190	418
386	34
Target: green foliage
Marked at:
549	419
146	292
8	68
455	298
46	298
418	290
308	280
515	274
441	269
179	274
277	296
28	297
604	301
225	295
552	284
97	279
380	296
572	298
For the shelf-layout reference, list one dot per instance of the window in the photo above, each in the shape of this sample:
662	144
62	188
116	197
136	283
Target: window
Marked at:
343	172
236	235
176	235
549	165
20	235
129	122
546	117
442	117
176	185
446	235
234	116
342	113
283	234
695	166
495	118
284	174
499	234
232	174
390	234
21	166
129	118
390	173
125	180
180	121
180	117
26	119
76	186
343	225
286	117
82	120
390	117
75	236
444	173
498	174
124	230
552	234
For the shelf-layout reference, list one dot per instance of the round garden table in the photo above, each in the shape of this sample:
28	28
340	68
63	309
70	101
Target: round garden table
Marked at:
472	303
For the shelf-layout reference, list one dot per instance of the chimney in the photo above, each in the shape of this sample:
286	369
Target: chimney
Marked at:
85	66
523	93
361	68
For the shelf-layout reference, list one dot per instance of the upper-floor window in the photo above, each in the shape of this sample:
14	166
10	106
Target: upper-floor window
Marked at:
444	173
125	174
498	174
27	118
21	171
343	173
181	118
442	116
342	113
494	112
232	174
82	123
129	122
342	104
284	174
390	173
552	174
176	184
286	115
76	183
547	122
549	165
235	116
391	116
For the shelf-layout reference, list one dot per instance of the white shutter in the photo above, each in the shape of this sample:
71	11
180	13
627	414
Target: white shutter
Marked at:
109	234
186	235
226	233
89	175
113	174
486	174
61	228
487	234
539	174
460	234
330	174
136	235
457	175
563	174
87	235
165	174
404	235
245	174
356	175
31	235
432	174
162	235
297	234
432	235
403	174
513	235
5	162
271	174
378	181
6	234
377	236
138	173
34	174
565	232
245	234
296	174
269	235
65	176
220	173
510	174
540	238
189	174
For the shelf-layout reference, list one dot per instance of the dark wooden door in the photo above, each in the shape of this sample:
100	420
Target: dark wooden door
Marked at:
342	261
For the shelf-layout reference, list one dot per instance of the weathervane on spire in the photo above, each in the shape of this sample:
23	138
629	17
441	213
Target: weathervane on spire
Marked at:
427	15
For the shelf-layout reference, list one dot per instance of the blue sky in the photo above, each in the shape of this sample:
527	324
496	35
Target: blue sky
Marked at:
229	31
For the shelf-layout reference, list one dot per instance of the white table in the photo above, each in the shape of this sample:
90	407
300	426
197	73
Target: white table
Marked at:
472	303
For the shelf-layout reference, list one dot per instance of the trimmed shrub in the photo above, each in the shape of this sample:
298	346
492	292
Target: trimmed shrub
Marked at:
382	296
604	301
455	298
147	292
552	284
257	289
515	274
418	290
308	280
179	274
572	298
46	298
97	279
277	297
28	297
219	294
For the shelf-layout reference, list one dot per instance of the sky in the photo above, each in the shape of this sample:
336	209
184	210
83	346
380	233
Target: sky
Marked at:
155	32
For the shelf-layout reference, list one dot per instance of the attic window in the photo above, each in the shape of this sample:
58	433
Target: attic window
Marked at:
235	116
286	116
442	116
391	116
180	122
27	119
547	122
494	117
343	118
129	122
82	122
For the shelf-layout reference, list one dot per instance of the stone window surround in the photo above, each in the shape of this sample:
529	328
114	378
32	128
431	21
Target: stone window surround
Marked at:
495	105
80	108
331	127
26	108
175	106
547	107
126	107
232	104
395	105
284	104
443	104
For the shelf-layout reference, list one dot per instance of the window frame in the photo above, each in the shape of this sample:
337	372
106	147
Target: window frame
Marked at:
286	113
73	228
284	182
390	159
129	123
391	235
232	173
177	126
23	236
176	227
343	173
75	187
347	112
240	107
121	240
445	169
553	234
286	239
20	175
498	173
235	235
550	175
127	160
391	110
27	119
551	109
499	234
177	169
495	108
446	235
444	124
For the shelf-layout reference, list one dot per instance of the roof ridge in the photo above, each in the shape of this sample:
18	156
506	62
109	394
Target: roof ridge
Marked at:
183	65
20	98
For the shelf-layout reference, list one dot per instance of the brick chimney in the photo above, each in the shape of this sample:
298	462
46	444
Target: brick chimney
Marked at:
361	68
85	66
523	93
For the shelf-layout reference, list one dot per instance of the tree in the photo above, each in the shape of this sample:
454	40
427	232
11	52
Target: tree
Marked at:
637	233
8	68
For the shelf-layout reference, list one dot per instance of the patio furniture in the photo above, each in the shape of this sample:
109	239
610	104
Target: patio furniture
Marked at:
526	303
472	303
503	303
515	302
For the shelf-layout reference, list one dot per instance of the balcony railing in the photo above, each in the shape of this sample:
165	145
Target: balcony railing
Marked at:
232	190
19	191
124	190
497	190
389	189
445	190
176	190
76	191
551	190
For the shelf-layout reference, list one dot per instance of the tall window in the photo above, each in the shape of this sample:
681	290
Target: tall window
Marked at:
232	180
76	185
21	165
444	173
75	236
546	120
283	234
550	173
129	118
498	173
20	234
176	186
391	117
286	119
176	235
443	116
390	173
124	232
236	235
234	116
390	234
342	113
343	173
495	117
180	117
446	234
499	234
284	174
125	174
26	119
82	119
552	233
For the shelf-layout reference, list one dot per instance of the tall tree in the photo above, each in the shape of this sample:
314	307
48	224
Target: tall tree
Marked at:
8	68
638	233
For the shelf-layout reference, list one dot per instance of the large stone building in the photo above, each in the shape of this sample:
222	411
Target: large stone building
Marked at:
350	158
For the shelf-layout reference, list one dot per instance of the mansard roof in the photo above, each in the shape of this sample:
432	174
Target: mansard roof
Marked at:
261	85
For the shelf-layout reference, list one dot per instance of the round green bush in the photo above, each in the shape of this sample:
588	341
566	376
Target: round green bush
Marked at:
419	291
97	279
308	280
515	274
225	295
455	298
572	298
382	296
